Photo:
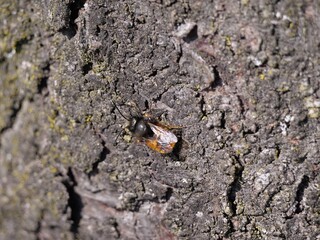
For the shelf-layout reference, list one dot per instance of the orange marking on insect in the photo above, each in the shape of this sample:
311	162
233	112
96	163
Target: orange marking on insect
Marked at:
163	140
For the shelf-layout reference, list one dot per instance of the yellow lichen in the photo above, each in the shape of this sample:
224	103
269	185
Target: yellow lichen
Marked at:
262	76
88	118
228	41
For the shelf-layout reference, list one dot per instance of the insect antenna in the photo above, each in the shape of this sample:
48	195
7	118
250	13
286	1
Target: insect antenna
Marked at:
120	111
116	140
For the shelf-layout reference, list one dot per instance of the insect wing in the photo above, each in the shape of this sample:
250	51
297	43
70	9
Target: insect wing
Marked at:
164	140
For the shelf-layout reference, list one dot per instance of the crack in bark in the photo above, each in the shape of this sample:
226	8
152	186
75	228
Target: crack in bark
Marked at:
270	197
231	229
39	226
86	68
192	35
74	7
216	81
303	185
234	187
116	228
103	155
43	83
21	42
202	106
13	117
74	202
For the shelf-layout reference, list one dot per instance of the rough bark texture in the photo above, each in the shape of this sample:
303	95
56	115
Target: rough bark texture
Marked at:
241	77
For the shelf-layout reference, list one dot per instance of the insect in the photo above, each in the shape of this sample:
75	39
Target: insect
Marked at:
155	134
